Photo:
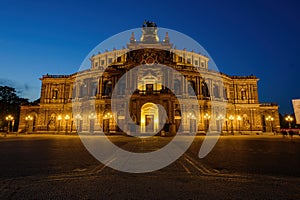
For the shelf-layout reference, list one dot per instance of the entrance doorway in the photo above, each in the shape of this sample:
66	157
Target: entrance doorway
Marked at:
149	123
149	118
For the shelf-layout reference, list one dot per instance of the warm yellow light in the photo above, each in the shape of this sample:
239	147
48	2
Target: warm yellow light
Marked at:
239	118
9	118
92	116
220	116
28	118
206	116
289	118
231	117
78	116
67	117
269	118
59	117
142	121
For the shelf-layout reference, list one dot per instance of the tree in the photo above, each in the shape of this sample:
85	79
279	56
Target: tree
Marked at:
10	104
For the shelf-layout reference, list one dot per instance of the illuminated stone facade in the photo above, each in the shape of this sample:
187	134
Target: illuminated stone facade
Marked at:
238	94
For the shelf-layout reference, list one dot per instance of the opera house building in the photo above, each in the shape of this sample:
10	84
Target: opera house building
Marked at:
89	101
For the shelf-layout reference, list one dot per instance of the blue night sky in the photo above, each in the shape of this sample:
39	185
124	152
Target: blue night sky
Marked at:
243	38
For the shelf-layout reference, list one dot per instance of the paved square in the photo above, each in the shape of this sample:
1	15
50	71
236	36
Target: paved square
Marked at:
59	167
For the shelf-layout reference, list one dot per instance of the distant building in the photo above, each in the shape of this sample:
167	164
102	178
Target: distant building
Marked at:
244	113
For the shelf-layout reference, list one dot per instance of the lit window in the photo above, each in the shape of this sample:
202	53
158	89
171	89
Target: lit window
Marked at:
55	94
202	64
243	94
189	61
119	59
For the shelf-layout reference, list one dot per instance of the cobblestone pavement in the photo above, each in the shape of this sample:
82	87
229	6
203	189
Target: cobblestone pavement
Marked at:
59	167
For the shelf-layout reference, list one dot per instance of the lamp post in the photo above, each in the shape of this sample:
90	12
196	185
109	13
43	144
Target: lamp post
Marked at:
289	119
67	117
108	116
9	119
270	119
59	118
226	124
78	118
27	119
92	122
239	118
220	119
206	118
192	117
231	118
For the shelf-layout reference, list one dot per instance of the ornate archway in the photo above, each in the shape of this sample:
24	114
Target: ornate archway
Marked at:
149	118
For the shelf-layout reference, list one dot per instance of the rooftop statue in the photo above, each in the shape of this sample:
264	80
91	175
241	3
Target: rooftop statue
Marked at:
149	24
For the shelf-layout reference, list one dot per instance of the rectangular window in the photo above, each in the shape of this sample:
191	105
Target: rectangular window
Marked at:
55	94
109	60
202	64
102	62
189	61
119	59
196	62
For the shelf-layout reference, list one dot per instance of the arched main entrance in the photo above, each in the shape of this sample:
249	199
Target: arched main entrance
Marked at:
149	118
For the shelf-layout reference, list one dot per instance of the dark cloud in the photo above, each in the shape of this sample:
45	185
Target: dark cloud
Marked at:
23	89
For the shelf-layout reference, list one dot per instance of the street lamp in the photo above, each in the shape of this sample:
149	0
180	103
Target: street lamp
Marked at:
27	119
226	124
239	118
191	118
220	119
92	118
78	126
270	119
67	117
206	118
59	118
9	119
289	119
231	118
108	115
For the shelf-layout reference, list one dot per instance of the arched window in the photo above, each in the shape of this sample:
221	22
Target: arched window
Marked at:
94	89
216	91
107	88
191	88
177	86
205	90
243	94
55	94
121	86
83	90
225	93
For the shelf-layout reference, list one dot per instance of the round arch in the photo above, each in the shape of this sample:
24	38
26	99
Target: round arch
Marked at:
149	118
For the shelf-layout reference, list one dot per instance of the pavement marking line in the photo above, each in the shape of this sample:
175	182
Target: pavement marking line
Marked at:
102	168
185	168
195	166
79	170
201	165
